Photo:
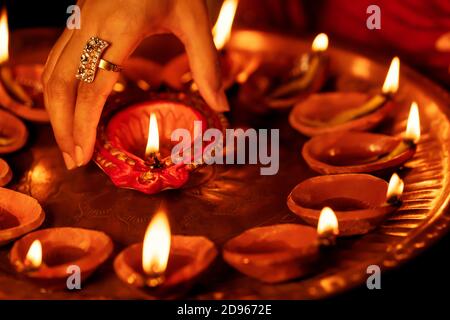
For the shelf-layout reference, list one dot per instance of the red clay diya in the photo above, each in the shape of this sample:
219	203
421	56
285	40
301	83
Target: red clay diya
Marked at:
19	214
5	173
280	83
360	201
13	133
274	253
358	152
124	134
343	111
45	255
164	265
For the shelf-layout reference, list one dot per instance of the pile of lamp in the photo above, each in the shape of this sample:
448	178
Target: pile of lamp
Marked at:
347	200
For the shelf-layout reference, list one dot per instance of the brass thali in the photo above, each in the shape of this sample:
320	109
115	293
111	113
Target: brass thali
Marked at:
222	201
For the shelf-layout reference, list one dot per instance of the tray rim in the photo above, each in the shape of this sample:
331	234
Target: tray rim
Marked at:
439	93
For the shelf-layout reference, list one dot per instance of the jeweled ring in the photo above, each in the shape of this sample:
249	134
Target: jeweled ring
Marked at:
91	60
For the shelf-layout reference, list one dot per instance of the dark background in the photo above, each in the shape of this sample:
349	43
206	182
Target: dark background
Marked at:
424	277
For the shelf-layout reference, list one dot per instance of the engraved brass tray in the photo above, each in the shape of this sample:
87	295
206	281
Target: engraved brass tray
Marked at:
222	201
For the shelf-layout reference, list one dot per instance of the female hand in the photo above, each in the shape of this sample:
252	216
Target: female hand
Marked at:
75	107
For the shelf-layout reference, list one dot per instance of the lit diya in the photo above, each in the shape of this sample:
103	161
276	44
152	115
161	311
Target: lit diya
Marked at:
343	111
164	264
13	133
358	152
5	173
281	83
134	144
19	214
20	85
45	256
280	252
360	201
235	65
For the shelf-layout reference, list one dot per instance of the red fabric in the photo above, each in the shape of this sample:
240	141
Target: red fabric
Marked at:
409	28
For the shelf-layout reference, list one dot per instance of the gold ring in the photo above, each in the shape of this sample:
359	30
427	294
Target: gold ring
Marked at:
108	66
91	60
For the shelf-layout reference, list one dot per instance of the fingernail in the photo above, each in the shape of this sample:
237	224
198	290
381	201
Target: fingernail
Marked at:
79	156
70	164
222	102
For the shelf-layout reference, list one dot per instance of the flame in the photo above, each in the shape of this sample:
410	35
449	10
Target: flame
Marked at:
33	258
320	43
153	136
156	248
222	28
4	36
412	131
328	222
395	188
390	85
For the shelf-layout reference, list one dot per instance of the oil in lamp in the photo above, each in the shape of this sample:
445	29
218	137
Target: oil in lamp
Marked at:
280	84
359	152
164	264
235	65
344	111
20	84
45	255
13	133
19	214
274	253
130	127
360	201
5	173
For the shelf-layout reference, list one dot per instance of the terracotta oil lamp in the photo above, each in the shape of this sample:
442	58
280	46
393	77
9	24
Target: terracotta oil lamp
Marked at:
45	255
235	65
20	85
281	83
359	152
19	214
164	264
344	111
13	133
278	253
360	201
5	173
134	148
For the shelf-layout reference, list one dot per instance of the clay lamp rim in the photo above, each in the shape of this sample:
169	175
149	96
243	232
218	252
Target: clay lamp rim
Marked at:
382	156
25	209
200	251
373	110
21	103
99	248
117	135
5	173
232	247
13	132
309	197
177	73
275	253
